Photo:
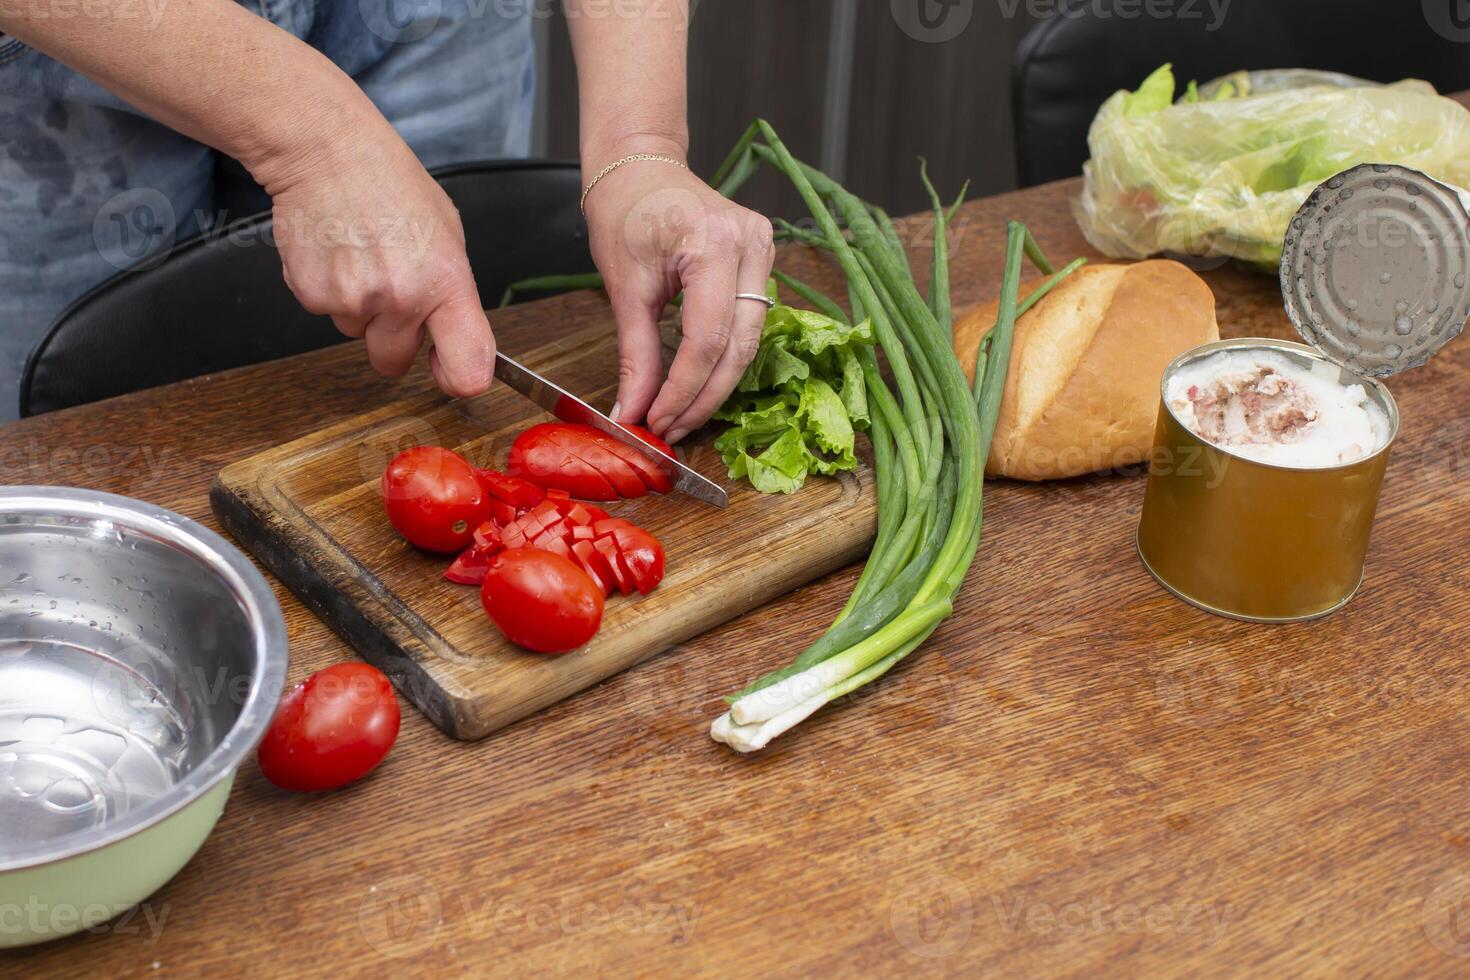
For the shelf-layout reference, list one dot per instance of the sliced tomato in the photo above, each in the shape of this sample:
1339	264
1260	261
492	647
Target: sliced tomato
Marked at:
487	535
649	438
610	524
511	536
592	563
643	555
555	532
578	514
615	564
557	546
649	471
470	567
591	446
554	494
519	493
501	512
542	459
544	513
583	532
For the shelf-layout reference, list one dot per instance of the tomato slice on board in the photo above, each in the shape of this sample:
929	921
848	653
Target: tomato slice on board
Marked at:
643	555
545	513
519	493
649	438
544	539
487	536
615	564
513	537
590	446
592	563
470	567
652	475
501	512
537	456
583	532
608	525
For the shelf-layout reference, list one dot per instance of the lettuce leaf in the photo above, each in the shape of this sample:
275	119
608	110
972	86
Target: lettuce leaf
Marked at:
799	404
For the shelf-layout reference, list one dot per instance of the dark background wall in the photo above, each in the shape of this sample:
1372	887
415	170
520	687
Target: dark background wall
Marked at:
860	88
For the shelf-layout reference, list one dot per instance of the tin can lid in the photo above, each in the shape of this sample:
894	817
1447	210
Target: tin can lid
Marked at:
1375	268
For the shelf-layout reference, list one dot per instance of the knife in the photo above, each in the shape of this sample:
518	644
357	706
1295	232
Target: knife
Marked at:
569	408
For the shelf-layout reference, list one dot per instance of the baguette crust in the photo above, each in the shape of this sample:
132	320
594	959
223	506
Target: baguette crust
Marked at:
1082	392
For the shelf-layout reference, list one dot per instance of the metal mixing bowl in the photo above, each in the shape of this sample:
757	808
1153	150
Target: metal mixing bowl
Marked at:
141	659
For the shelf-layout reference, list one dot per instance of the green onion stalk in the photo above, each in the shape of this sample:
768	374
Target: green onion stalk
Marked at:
930	433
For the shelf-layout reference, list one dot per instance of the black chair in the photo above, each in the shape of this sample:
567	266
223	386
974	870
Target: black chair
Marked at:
218	301
1069	64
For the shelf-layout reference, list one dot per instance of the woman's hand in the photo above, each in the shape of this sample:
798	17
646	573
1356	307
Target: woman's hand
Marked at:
368	238
657	230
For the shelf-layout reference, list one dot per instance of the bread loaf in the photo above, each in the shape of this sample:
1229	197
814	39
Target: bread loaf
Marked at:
1082	392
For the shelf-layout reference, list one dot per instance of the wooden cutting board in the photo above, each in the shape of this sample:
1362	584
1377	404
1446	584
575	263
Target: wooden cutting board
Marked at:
309	510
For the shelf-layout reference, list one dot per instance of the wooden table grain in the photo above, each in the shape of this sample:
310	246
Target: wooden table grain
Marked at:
1077	773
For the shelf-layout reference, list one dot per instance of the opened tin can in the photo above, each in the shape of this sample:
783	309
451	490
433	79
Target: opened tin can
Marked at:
1250	539
1375	276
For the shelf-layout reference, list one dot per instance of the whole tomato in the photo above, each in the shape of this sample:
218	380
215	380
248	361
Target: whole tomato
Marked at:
541	601
331	730
434	498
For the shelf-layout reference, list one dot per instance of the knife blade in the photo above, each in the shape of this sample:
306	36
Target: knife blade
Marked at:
569	408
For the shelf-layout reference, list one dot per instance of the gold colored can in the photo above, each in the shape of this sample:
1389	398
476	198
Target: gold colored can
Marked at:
1252	540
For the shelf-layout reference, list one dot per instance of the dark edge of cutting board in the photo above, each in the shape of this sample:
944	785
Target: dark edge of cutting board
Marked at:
283	553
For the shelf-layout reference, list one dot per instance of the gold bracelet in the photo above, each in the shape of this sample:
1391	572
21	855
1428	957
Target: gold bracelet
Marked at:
634	158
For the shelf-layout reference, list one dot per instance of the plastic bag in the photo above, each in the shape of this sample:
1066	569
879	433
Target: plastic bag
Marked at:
1220	173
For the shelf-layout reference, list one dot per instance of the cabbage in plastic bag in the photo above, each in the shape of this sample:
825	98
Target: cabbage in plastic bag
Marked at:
1221	172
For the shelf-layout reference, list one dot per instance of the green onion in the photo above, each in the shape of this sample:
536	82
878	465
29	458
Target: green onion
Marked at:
930	433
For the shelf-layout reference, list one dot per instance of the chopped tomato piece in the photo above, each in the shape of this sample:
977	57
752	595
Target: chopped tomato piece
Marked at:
592	564
487	536
583	532
579	514
519	493
501	512
513	537
470	567
643	555
555	494
559	547
609	552
553	533
610	524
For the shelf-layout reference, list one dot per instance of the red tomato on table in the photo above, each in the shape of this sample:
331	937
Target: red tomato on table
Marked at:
331	730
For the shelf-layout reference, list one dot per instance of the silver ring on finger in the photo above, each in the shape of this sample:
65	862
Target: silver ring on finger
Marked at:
759	298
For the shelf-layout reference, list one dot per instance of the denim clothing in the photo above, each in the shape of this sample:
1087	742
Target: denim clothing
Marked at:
90	186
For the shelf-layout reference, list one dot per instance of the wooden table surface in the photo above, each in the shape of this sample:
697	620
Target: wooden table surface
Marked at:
1077	773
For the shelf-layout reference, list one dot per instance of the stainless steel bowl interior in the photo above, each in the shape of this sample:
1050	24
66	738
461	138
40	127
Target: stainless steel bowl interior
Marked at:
141	658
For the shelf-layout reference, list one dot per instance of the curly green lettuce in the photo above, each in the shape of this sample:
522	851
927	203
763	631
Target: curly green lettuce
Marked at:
799	404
